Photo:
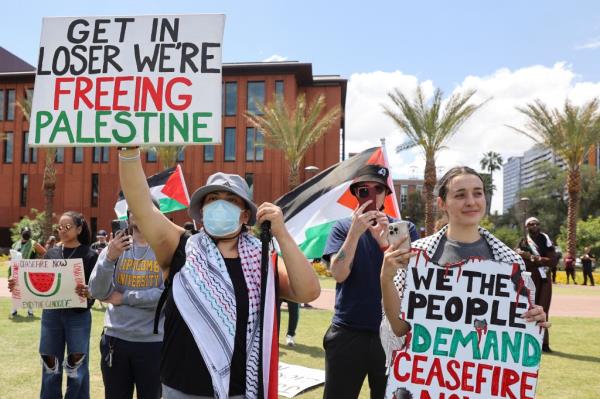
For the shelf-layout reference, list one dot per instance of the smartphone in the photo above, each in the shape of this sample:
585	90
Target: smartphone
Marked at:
364	194
118	225
396	232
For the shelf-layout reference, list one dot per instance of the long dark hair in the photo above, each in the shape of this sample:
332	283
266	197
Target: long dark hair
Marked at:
444	182
84	237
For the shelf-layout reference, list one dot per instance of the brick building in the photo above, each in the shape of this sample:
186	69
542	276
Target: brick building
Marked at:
87	178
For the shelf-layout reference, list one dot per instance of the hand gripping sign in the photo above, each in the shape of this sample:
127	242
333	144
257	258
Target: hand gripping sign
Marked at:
467	337
126	81
47	283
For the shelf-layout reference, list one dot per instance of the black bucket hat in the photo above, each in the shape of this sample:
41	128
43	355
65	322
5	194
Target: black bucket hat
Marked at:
372	173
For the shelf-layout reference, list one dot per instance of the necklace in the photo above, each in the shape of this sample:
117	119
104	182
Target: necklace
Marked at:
62	251
133	252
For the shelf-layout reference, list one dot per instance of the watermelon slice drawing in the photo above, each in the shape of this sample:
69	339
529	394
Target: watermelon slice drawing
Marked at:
42	284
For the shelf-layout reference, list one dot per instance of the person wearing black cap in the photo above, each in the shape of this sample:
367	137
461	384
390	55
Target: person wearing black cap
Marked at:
354	251
213	326
101	241
29	249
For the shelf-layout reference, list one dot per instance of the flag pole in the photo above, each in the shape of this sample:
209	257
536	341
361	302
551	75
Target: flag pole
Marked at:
390	178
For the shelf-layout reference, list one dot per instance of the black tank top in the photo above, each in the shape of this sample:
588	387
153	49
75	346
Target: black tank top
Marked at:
182	366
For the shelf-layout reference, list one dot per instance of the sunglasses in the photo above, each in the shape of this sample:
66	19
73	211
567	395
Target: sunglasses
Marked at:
65	227
533	224
365	191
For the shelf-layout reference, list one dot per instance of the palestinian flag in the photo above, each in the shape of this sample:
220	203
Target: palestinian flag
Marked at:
168	187
312	208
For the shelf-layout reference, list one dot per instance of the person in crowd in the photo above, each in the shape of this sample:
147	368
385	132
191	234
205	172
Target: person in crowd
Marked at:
293	319
29	249
587	261
354	252
539	254
213	351
461	196
570	267
128	278
189	226
50	242
68	327
101	241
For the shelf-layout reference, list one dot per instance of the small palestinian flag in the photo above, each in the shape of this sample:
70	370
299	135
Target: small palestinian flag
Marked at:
168	187
312	208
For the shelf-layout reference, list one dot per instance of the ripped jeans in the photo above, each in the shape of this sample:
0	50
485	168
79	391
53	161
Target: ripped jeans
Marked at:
68	327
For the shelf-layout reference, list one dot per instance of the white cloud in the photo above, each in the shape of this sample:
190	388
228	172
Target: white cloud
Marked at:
275	58
485	131
590	45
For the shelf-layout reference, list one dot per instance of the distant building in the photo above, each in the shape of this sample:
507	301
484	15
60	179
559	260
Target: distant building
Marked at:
511	172
402	188
87	178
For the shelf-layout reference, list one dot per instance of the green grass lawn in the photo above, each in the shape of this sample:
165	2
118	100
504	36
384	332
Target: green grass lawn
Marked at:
571	371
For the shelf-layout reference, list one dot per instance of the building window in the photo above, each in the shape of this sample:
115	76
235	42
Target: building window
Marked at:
24	186
151	156
230	98
101	155
279	88
403	196
60	155
2	105
95	190
9	146
229	144
181	155
77	154
10	101
255	150
256	96
250	180
25	155
209	153
29	94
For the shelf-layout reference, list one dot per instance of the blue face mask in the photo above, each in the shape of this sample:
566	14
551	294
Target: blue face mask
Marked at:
221	218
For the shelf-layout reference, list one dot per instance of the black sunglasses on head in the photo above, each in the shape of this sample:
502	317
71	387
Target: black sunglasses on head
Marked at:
365	191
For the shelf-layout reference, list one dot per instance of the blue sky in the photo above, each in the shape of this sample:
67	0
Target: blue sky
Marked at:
512	51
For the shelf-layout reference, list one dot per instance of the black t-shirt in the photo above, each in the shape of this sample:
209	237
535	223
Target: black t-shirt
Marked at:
182	366
84	252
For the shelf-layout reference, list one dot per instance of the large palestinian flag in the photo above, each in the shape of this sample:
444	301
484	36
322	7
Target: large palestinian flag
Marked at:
312	208
168	187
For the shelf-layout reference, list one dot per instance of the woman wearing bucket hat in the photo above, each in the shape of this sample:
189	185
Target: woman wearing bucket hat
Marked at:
212	335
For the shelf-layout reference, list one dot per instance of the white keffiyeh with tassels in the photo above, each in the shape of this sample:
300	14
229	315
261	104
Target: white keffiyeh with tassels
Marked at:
205	297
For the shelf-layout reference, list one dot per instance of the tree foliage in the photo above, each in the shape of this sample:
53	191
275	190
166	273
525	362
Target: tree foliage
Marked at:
34	223
588	235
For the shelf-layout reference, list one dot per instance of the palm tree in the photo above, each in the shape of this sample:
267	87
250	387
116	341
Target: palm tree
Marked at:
491	162
293	131
167	155
430	126
49	180
569	133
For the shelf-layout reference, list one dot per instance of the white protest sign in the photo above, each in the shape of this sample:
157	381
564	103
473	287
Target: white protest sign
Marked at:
47	283
468	340
295	379
145	80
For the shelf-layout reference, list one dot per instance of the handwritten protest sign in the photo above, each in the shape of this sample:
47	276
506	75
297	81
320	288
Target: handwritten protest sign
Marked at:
467	340
295	379
149	80
47	283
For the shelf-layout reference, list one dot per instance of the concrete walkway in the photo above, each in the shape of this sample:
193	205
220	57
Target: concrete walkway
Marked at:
563	304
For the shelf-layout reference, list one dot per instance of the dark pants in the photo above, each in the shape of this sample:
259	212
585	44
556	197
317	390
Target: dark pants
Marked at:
571	273
543	297
133	363
350	356
293	317
588	273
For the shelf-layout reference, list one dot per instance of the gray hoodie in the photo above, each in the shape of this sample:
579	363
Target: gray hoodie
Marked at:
139	278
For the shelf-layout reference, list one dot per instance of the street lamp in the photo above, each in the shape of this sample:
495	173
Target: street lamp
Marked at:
310	171
523	202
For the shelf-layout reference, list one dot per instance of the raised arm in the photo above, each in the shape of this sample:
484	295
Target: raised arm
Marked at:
162	234
394	262
298	281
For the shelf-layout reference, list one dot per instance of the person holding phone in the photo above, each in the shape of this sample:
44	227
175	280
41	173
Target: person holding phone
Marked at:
354	252
128	278
461	196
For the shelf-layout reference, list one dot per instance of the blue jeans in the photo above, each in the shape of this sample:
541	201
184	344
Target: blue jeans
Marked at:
68	327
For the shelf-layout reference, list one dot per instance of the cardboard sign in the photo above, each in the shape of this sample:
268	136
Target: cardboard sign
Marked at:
295	379
47	283
468	339
125	81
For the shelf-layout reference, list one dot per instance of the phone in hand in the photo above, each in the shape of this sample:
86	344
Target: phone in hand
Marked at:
365	194
118	225
396	232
